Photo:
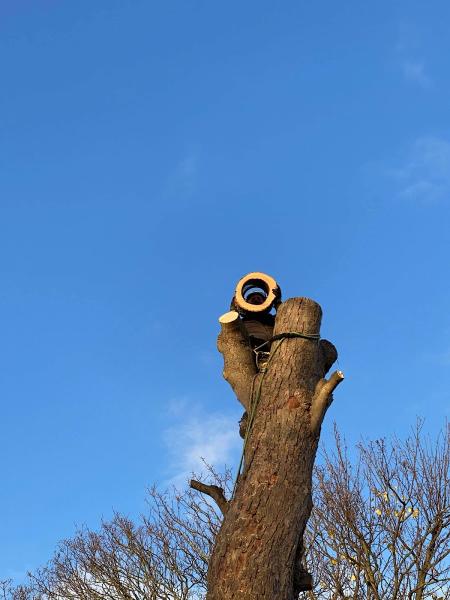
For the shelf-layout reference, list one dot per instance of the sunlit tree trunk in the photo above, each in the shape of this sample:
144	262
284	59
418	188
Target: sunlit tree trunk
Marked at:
258	552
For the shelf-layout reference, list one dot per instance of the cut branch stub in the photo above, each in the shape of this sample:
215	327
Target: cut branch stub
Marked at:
329	355
213	491
239	361
323	398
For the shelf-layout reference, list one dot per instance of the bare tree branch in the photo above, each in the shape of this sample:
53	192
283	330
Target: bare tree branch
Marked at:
323	398
214	491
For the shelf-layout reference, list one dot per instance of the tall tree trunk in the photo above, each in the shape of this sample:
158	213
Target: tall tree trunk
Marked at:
259	549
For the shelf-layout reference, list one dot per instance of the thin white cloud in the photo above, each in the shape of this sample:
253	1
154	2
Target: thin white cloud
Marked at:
414	72
409	56
424	174
198	437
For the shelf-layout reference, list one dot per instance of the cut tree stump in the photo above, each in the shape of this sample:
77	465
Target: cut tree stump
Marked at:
258	553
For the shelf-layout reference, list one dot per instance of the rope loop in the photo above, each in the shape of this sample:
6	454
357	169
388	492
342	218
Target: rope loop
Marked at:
289	335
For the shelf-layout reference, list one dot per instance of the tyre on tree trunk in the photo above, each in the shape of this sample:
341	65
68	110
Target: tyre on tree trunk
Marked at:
258	553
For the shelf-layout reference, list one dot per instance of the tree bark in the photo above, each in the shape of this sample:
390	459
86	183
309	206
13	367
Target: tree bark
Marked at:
239	361
259	549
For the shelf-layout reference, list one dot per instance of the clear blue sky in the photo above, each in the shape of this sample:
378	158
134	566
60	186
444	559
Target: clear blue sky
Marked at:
151	153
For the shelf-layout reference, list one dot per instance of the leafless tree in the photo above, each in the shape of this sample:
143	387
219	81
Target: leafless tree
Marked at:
8	592
379	531
164	556
5	589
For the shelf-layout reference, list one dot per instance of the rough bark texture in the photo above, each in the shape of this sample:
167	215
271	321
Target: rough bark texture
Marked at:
258	551
239	362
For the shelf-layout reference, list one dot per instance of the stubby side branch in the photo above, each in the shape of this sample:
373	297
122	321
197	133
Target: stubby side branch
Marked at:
329	355
323	398
239	361
214	491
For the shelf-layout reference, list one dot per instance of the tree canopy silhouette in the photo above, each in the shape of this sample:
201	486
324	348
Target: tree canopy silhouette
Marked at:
379	530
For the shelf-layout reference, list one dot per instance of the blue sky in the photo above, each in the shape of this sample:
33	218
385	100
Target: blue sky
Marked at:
151	153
